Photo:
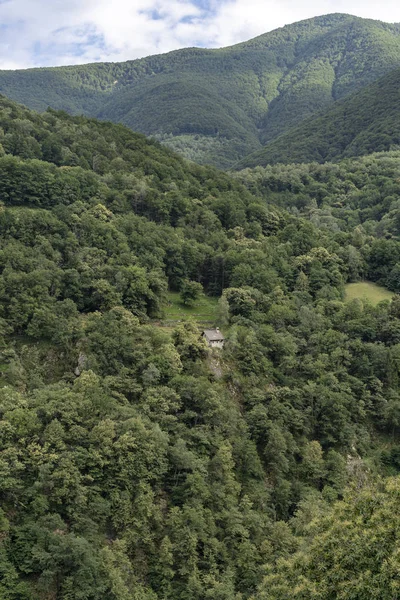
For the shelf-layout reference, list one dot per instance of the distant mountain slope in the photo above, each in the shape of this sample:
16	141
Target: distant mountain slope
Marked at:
368	121
217	106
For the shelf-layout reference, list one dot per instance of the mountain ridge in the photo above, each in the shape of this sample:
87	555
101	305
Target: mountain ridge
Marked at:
363	123
216	106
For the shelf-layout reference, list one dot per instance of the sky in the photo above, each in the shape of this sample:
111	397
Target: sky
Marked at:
40	33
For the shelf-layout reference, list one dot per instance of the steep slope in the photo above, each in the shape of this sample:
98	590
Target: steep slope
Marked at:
215	106
368	121
128	469
358	191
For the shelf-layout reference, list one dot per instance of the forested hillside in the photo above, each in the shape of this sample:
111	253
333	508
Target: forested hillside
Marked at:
366	122
134	462
216	106
361	193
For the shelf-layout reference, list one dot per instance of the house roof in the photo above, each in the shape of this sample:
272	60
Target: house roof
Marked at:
213	335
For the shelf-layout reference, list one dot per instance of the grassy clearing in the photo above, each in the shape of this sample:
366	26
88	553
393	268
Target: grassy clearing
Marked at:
366	290
203	310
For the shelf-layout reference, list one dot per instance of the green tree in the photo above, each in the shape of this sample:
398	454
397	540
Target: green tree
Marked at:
351	554
190	292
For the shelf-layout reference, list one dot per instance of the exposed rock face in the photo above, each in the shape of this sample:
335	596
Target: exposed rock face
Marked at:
82	359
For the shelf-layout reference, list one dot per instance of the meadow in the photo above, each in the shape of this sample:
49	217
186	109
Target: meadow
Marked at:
366	290
202	311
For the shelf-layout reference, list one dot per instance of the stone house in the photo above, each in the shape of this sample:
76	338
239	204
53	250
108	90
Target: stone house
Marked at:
214	338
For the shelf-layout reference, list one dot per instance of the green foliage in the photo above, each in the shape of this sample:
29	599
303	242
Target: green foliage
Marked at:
355	200
190	292
352	553
365	122
217	106
135	463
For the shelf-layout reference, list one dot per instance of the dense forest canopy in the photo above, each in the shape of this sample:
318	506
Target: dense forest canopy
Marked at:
364	123
354	192
217	106
134	462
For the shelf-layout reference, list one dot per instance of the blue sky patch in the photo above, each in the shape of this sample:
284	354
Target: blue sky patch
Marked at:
59	32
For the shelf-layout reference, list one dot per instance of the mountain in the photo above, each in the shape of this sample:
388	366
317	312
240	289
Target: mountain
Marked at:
216	106
368	121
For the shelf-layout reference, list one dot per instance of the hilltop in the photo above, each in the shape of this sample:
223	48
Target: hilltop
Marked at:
217	106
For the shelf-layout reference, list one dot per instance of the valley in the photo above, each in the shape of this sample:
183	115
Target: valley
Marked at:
137	462
218	106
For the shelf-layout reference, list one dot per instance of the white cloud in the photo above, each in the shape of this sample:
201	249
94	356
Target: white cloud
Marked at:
55	32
